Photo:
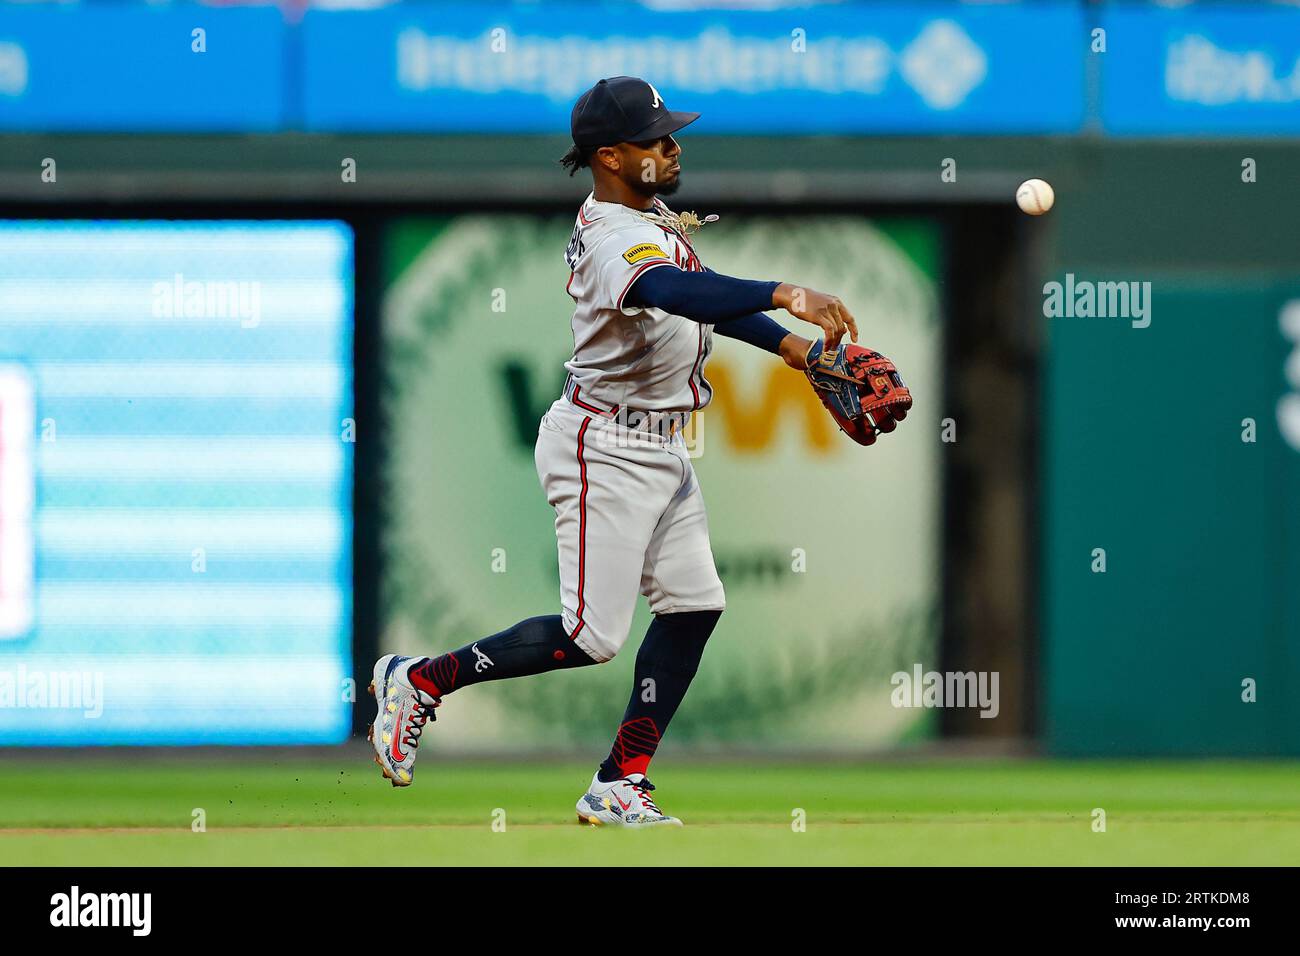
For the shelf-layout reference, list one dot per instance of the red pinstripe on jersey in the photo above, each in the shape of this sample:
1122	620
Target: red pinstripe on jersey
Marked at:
577	391
699	354
582	529
690	262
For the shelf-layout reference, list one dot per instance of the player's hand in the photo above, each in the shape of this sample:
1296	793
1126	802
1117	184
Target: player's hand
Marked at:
826	312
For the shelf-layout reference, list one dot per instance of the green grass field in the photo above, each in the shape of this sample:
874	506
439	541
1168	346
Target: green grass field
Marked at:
323	812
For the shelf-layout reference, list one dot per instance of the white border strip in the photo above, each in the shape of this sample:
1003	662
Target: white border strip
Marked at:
240	532
17	493
216	458
307	381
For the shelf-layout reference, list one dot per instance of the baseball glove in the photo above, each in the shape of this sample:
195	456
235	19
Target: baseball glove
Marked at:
860	388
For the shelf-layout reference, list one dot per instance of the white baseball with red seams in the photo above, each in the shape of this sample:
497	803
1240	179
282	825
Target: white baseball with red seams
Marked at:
629	516
1035	196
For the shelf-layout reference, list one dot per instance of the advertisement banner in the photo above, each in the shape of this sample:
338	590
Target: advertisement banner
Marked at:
141	68
175	482
1201	71
891	68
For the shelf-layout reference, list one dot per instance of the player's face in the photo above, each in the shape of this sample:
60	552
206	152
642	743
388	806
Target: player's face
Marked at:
653	166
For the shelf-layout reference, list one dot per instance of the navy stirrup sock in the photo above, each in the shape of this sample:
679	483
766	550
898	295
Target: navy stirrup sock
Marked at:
534	646
665	664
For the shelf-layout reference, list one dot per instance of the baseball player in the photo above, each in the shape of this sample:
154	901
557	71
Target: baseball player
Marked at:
629	515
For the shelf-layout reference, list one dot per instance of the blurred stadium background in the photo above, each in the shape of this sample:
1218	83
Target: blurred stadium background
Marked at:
282	299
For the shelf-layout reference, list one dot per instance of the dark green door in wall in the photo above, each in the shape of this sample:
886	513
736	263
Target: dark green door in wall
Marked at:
1146	460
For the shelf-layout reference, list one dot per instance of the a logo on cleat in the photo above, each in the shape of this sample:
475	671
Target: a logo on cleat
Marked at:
396	743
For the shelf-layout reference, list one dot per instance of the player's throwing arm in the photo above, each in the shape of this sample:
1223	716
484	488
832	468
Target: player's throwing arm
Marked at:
826	312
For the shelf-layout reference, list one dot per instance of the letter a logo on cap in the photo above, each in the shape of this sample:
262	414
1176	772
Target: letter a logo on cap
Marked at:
658	100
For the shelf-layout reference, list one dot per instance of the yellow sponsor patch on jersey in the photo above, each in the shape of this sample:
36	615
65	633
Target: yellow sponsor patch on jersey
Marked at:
643	251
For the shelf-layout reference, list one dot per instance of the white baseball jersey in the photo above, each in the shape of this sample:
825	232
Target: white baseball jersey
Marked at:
622	355
629	515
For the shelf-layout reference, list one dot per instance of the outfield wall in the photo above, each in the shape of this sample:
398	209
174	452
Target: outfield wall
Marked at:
1137	437
1175	448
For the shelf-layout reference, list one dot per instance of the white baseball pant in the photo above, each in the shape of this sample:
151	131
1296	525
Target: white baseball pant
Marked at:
629	519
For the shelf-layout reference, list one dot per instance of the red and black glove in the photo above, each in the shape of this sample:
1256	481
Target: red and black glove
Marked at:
860	388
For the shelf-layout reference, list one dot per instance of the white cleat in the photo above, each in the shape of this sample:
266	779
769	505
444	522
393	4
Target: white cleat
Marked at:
622	803
402	711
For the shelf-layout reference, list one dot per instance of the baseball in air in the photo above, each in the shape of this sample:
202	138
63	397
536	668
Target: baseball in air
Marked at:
1035	196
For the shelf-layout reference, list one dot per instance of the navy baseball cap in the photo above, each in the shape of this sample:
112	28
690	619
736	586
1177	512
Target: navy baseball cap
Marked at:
623	109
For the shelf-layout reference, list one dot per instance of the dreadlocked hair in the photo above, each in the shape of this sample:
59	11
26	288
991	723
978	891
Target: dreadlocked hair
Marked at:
578	157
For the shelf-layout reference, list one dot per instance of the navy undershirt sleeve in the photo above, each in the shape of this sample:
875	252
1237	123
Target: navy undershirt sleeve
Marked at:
705	297
757	328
